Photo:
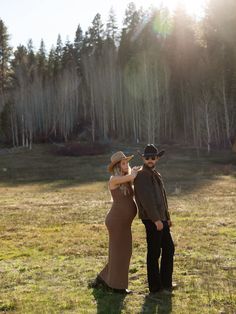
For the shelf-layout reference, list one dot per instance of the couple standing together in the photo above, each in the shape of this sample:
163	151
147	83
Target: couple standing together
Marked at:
152	206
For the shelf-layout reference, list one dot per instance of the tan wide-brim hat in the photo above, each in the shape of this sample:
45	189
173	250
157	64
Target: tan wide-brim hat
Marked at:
117	157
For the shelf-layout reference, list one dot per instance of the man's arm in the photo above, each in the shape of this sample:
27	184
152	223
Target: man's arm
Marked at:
167	208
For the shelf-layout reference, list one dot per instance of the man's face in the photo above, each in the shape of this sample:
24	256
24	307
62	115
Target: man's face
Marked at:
150	161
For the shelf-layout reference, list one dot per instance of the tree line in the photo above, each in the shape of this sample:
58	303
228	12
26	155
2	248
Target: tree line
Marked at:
162	78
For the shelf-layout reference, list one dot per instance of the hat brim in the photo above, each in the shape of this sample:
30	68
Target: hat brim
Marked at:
160	154
112	164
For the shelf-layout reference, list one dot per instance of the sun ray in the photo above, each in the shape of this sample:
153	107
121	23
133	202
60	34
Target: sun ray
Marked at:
192	7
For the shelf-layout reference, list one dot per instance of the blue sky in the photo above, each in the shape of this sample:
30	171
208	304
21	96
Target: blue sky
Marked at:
45	19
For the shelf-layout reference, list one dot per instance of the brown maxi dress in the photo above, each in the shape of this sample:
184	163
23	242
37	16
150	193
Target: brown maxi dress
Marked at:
118	222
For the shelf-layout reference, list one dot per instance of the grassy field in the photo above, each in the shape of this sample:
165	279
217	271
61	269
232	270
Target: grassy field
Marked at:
53	239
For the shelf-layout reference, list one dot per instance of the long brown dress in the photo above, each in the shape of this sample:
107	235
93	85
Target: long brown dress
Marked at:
118	222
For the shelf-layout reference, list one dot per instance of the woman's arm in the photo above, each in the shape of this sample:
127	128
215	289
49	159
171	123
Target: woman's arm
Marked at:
117	180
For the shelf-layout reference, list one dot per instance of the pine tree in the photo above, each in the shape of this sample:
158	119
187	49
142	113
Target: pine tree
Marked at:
112	29
58	56
78	46
5	54
96	35
32	61
41	60
220	40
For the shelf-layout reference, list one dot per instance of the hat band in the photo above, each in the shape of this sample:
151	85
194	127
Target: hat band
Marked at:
150	154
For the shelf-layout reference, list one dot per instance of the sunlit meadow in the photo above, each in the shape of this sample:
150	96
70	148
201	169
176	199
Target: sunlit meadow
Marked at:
53	240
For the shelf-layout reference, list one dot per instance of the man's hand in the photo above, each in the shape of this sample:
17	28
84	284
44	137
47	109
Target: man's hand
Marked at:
159	225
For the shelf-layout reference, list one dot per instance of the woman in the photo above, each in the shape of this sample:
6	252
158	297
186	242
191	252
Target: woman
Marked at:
118	222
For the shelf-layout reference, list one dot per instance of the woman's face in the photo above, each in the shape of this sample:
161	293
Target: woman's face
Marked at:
124	166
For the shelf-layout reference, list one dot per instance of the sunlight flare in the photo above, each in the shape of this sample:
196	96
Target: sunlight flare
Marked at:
192	7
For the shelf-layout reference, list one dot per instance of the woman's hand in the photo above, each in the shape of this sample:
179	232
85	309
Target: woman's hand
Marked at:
135	170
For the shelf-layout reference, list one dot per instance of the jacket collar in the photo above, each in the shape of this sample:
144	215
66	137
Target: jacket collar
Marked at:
151	171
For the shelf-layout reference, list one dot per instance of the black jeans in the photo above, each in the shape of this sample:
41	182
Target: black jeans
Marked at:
159	244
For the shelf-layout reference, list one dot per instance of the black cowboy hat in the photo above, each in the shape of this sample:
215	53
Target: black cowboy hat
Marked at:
151	150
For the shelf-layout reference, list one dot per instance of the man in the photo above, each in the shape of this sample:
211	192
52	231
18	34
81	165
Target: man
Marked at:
152	204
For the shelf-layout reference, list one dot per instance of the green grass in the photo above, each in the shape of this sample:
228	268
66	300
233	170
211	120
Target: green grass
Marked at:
53	239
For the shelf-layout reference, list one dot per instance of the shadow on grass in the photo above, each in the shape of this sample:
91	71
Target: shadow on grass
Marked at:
108	302
179	167
158	306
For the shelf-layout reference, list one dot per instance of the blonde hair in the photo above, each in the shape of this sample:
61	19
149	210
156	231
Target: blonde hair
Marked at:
116	171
